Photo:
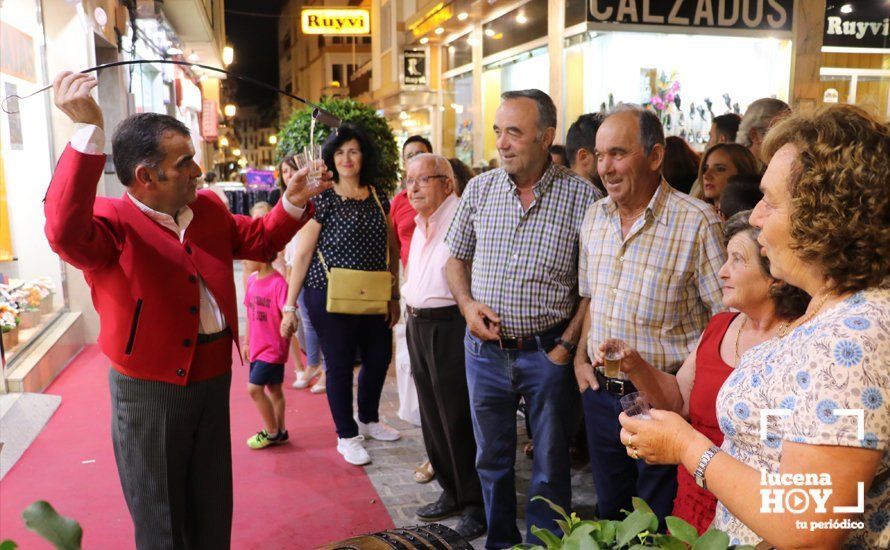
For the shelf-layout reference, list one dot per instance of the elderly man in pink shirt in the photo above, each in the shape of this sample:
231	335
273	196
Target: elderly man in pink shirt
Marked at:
435	343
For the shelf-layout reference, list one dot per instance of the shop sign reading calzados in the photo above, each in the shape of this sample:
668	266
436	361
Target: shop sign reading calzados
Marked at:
349	21
773	15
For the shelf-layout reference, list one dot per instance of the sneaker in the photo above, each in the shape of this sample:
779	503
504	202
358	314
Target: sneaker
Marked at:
305	376
353	451
379	431
282	437
319	387
260	440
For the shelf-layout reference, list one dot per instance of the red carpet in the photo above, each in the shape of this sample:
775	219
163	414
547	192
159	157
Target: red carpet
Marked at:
299	495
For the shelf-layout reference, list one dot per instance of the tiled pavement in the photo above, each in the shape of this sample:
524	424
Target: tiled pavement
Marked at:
393	466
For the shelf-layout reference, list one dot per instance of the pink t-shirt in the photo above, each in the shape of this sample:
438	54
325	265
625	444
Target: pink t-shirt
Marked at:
264	299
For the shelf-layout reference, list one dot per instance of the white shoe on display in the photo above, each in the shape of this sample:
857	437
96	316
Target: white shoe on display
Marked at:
378	430
353	450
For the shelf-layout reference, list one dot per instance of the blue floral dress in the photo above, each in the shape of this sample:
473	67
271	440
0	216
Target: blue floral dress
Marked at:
838	360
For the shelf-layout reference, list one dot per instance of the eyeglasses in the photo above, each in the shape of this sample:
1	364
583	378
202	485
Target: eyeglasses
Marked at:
423	181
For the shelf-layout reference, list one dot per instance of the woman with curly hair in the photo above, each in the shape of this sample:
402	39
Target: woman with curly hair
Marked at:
351	229
810	409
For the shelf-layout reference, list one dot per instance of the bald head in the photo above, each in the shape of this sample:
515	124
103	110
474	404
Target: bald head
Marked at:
429	181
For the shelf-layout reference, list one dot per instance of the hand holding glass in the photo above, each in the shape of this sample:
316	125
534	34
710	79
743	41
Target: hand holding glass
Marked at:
311	157
613	352
636	404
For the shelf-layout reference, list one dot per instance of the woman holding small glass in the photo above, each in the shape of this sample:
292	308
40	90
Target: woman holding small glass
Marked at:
812	406
762	304
352	230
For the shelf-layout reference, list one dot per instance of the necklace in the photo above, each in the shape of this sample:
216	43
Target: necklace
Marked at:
739	337
786	327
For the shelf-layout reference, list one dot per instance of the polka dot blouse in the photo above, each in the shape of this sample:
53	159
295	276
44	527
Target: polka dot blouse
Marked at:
353	235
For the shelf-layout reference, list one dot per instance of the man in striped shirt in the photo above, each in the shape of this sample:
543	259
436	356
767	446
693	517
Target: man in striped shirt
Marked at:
516	230
648	262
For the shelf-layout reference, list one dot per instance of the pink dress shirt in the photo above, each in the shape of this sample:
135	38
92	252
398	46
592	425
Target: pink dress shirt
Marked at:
425	285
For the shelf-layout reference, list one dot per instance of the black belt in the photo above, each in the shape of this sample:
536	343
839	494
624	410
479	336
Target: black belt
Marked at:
616	386
208	338
544	341
446	313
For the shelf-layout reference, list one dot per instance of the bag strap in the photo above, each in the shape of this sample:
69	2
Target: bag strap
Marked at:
382	211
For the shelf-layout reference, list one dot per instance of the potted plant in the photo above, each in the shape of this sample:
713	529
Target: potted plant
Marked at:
637	531
9	325
46	287
28	299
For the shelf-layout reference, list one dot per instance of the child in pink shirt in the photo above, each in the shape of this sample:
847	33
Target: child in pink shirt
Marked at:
266	351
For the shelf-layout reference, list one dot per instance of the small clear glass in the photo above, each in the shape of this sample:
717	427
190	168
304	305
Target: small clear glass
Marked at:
636	404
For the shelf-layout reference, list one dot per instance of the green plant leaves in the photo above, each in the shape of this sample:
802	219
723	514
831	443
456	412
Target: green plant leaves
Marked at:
8	545
64	533
712	540
634	524
552	541
682	530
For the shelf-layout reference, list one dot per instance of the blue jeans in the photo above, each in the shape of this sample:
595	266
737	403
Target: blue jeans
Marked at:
616	476
496	380
310	343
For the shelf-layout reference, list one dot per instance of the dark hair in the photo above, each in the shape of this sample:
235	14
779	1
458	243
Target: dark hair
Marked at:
370	171
742	192
680	166
137	140
462	175
418	139
791	302
291	161
210	177
561	151
742	158
546	108
582	135
727	125
651	130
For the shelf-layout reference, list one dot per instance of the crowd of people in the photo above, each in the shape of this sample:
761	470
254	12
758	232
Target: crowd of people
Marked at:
749	279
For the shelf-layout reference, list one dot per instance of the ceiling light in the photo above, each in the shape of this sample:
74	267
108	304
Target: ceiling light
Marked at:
462	16
451	49
193	57
228	55
424	40
489	32
846	8
521	19
229	110
403	115
173	50
472	41
440	30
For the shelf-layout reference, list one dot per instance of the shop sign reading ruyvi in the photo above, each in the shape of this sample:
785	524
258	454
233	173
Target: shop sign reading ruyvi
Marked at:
349	21
773	15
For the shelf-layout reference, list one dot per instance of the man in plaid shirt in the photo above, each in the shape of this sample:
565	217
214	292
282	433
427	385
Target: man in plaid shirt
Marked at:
513	272
648	262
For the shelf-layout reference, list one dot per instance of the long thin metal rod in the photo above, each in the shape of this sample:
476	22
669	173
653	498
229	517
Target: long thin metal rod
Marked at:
318	113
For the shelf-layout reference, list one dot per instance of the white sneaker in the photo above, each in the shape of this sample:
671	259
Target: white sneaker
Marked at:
304	377
353	451
378	431
319	386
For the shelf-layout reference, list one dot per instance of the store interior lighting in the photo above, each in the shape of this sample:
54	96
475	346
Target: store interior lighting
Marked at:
440	30
462	16
521	19
224	141
273	139
228	55
424	40
236	152
230	110
173	50
194	57
489	32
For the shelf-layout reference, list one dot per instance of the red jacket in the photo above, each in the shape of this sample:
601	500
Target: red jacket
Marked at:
143	280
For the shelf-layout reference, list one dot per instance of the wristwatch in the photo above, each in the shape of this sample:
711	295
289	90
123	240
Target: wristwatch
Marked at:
289	309
570	347
703	465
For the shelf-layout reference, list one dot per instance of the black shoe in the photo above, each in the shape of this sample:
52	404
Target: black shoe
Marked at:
441	509
280	438
471	526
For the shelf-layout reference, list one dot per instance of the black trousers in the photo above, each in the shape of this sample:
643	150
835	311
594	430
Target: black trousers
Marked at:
437	366
341	336
173	449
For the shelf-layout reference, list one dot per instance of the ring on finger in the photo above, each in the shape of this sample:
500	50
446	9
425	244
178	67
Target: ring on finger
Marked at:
630	440
635	455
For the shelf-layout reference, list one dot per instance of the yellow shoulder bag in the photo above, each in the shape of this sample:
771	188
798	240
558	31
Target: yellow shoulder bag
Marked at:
358	292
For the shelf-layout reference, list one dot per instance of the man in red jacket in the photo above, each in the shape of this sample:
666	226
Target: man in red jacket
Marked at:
159	265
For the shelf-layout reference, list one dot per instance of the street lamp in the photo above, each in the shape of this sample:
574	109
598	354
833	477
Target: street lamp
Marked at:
228	55
224	141
229	110
273	139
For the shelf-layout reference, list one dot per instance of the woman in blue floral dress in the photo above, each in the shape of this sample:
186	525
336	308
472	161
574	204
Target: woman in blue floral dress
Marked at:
815	401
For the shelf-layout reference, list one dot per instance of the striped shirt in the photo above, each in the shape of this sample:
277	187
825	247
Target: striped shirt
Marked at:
656	288
524	263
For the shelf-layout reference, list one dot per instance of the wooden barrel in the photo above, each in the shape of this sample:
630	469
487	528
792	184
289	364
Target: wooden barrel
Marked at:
433	536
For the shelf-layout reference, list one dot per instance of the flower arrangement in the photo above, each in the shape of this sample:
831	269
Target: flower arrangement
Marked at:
667	92
9	316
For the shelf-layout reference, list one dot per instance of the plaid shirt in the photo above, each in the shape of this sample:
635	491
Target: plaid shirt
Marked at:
656	288
525	264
